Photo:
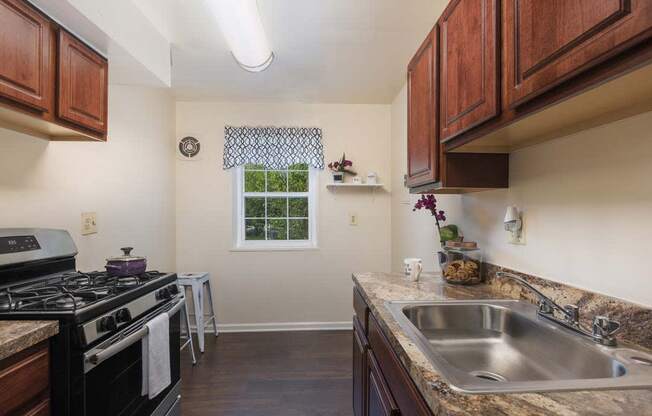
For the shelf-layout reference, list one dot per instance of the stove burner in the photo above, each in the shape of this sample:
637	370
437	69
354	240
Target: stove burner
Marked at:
82	281
71	291
127	282
65	302
93	293
6	303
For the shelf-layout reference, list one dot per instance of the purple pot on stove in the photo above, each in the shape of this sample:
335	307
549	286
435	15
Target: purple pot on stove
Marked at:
126	265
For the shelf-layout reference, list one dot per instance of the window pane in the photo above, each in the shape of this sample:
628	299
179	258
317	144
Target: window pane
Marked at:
251	166
255	207
298	166
277	181
254	229
254	181
277	207
267	217
298	182
277	229
298	229
298	207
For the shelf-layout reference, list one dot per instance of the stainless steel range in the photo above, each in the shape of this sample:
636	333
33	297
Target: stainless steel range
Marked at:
97	355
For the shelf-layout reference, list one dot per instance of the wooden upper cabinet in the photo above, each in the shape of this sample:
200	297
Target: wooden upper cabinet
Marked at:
25	60
423	138
548	42
469	64
83	84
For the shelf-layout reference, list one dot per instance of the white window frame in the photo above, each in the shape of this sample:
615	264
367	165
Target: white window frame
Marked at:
239	242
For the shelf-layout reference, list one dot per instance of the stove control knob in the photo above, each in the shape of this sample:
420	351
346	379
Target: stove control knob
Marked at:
173	289
163	294
123	315
108	323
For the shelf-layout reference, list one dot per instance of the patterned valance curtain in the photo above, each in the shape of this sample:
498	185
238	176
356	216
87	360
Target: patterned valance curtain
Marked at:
273	147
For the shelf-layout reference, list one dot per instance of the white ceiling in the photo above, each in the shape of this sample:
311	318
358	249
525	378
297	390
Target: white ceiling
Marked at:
340	51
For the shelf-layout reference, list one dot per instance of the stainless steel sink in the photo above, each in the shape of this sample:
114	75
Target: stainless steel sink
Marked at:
502	346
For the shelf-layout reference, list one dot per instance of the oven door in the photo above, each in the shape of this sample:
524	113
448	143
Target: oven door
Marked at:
113	371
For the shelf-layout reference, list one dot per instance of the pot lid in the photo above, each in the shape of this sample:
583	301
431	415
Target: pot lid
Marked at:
127	256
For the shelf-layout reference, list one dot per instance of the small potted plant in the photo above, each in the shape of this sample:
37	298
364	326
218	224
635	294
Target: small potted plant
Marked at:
340	168
460	262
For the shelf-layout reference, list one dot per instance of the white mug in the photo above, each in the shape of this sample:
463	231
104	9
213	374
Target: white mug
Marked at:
413	268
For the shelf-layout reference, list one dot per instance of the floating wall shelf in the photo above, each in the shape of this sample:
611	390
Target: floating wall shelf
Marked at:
355	185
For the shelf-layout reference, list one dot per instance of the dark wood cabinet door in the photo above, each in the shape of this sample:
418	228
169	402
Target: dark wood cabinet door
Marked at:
361	310
25	55
42	409
398	381
83	84
359	369
423	137
548	42
24	380
380	401
469	92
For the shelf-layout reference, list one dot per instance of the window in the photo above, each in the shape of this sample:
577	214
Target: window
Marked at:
275	207
275	183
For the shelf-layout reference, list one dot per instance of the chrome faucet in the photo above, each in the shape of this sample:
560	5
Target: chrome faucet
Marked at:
602	332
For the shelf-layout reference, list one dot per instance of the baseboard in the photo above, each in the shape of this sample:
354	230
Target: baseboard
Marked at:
279	326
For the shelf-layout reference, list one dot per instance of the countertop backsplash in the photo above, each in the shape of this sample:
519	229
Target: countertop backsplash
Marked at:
635	319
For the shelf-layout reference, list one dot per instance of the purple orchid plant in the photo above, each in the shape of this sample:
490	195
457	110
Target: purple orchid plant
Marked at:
429	203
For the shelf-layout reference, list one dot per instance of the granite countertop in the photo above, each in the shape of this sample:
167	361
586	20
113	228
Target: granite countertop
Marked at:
16	336
377	288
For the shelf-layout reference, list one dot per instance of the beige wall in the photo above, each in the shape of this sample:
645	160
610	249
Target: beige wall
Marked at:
586	197
413	233
587	200
128	181
254	288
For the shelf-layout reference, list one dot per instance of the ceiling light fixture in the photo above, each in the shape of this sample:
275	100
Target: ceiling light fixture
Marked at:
242	27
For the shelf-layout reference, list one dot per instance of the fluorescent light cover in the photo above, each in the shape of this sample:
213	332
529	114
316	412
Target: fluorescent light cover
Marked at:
243	29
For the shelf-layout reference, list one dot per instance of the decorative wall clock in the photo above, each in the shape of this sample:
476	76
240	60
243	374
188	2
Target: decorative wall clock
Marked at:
188	148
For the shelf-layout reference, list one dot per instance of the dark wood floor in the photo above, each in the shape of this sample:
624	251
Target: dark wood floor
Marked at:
270	373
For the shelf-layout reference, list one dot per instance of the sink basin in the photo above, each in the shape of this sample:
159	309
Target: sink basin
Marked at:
502	346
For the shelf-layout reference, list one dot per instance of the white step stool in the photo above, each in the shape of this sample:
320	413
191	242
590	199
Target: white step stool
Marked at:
196	282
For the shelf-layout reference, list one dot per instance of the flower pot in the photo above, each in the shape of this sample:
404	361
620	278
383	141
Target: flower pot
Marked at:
338	177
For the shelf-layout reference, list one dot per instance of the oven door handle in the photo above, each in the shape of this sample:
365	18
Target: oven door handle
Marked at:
96	356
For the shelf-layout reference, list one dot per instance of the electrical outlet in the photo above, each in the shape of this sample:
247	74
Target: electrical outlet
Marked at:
519	239
88	223
353	219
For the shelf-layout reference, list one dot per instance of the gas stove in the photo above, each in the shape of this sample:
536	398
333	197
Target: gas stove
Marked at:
71	291
96	302
102	320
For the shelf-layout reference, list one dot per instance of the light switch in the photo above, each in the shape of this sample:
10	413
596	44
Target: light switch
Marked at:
353	219
88	223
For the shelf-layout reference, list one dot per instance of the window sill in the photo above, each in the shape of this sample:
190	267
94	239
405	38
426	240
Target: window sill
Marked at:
279	248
